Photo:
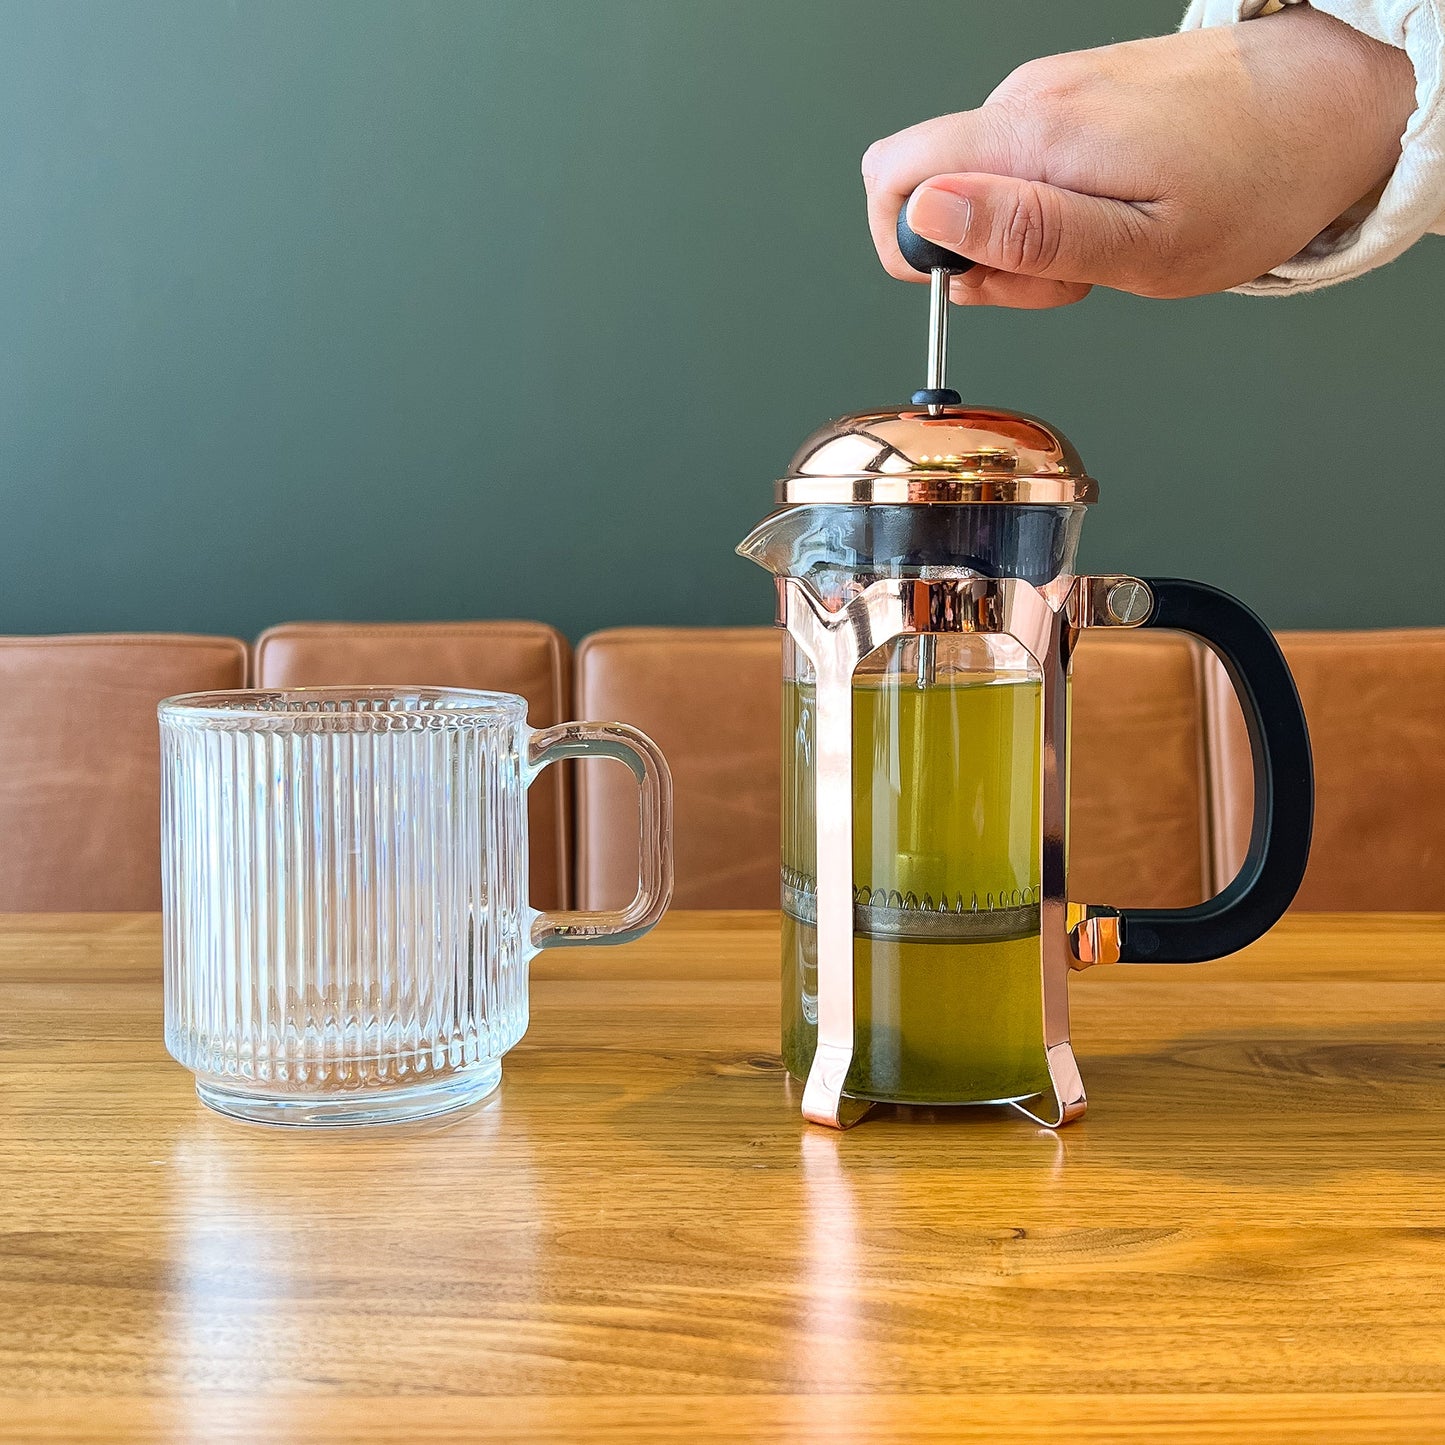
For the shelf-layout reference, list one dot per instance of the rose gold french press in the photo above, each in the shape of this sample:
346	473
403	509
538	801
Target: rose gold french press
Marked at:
924	562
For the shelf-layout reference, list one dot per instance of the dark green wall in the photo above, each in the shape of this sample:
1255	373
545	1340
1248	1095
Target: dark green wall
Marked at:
516	307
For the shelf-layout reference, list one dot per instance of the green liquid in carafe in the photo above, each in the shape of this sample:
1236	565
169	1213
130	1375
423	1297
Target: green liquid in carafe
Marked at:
945	807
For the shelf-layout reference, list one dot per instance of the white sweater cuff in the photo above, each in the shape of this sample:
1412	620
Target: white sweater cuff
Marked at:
1413	201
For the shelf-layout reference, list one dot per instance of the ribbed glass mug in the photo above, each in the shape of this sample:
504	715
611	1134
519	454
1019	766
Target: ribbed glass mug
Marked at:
347	931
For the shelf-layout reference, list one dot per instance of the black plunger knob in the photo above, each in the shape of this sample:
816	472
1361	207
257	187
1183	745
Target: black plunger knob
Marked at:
924	255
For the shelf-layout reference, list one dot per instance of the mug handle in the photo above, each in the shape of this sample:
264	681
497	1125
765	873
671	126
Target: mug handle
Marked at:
1279	741
560	928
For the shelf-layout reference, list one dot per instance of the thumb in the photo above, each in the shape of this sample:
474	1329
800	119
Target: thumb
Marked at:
1028	228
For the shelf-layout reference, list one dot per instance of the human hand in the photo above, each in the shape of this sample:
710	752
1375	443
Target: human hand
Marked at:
1173	166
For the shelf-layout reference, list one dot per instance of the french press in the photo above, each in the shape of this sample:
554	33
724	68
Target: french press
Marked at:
924	561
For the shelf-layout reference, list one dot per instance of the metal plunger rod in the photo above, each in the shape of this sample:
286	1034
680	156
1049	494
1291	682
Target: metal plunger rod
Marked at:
938	280
927	659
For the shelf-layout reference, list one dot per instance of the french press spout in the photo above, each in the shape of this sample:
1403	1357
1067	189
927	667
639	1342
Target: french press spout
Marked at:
924	564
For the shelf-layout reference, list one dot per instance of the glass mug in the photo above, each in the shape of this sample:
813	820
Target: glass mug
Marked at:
347	931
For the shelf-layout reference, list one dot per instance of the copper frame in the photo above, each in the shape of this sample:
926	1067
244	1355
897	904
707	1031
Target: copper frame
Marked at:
1046	622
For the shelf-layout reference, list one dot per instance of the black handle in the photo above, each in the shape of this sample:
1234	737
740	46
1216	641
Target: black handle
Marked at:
924	255
1279	840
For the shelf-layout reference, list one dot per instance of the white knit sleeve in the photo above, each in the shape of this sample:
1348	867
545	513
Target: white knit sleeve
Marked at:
1413	200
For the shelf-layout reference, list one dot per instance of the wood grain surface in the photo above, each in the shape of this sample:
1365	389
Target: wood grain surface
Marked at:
638	1239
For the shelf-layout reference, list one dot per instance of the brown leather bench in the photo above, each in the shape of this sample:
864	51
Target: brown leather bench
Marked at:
1160	789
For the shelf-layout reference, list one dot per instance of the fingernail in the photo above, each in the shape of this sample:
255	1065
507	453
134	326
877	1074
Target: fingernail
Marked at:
941	216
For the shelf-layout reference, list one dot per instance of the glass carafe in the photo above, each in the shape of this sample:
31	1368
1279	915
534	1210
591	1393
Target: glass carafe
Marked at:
946	885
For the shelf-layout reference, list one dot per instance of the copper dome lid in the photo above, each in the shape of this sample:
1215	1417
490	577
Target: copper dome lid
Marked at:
948	454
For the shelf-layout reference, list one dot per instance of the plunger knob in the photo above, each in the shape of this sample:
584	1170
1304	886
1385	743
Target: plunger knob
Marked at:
924	255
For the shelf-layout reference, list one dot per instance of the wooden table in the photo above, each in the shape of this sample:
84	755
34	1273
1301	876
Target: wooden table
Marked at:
639	1239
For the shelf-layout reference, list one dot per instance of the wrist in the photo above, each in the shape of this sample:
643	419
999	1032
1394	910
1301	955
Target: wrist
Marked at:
1359	104
1353	91
1378	78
